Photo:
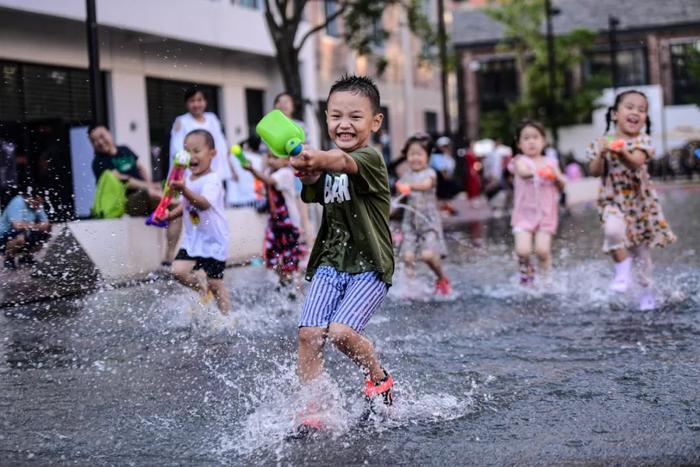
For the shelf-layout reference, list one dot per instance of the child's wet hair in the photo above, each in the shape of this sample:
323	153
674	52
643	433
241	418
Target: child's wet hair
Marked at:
423	140
361	85
208	138
618	100
192	91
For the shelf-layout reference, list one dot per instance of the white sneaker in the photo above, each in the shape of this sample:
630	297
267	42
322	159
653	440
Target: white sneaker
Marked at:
621	282
647	300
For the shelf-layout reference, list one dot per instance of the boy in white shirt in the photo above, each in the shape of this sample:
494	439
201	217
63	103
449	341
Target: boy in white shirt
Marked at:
205	243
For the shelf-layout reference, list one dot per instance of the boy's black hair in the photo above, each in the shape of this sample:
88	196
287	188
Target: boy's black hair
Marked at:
208	138
361	85
94	126
192	90
618	100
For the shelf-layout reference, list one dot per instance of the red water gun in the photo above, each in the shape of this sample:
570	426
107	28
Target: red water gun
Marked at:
181	162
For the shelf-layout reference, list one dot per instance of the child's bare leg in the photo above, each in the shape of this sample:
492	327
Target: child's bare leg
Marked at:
619	255
543	250
409	259
220	294
523	249
615	230
433	261
358	348
183	271
172	236
311	341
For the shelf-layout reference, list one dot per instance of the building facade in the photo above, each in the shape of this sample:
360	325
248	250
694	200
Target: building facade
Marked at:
658	43
150	52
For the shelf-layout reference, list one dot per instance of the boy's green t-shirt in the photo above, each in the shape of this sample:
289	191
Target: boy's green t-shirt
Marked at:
354	236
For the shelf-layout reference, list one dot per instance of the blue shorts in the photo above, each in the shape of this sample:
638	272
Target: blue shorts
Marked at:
341	297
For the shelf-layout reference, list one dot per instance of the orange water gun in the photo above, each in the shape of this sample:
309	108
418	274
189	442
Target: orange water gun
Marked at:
547	173
181	162
615	144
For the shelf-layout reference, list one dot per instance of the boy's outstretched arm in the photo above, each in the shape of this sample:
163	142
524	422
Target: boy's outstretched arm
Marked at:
311	161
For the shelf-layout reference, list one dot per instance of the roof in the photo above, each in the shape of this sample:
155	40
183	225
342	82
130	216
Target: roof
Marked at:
474	27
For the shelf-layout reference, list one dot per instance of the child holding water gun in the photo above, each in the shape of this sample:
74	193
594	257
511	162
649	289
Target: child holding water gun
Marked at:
629	207
352	262
282	251
205	243
421	225
537	184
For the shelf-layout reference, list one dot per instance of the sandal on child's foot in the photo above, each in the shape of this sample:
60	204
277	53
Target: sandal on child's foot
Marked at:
383	388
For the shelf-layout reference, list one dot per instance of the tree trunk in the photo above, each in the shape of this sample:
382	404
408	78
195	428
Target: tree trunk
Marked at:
288	62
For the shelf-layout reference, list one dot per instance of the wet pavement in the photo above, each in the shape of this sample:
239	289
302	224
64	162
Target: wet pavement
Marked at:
562	374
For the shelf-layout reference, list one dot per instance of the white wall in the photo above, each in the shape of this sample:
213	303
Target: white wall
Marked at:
218	24
671	125
129	119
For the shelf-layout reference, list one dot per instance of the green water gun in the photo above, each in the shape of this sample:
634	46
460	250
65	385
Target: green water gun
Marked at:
281	134
237	151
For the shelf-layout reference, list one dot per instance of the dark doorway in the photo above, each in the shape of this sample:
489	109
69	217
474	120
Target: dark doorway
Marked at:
165	102
38	106
255	108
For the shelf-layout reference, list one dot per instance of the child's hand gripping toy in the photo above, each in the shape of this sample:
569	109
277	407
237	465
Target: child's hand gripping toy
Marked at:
237	152
547	173
280	134
403	188
615	145
181	162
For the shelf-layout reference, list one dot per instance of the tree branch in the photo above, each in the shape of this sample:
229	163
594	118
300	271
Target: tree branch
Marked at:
318	27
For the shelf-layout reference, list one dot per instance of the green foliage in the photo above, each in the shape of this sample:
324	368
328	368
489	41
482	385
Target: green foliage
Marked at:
523	22
363	30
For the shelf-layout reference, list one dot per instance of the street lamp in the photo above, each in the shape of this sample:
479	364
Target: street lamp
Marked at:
613	22
94	64
551	64
442	44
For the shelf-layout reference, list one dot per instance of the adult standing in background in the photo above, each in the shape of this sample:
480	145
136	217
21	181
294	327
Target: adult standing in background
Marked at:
197	118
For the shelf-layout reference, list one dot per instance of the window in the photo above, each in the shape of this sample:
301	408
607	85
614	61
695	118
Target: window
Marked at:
430	118
255	108
254	4
331	8
39	104
165	100
498	84
685	68
631	65
378	33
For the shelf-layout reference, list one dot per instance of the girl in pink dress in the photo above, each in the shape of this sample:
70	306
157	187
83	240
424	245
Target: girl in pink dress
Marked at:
629	207
537	185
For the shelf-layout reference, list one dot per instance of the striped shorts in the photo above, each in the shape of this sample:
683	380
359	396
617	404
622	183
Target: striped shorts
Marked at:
341	297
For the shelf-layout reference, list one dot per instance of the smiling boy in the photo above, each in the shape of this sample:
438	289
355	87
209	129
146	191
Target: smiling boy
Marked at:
352	262
205	243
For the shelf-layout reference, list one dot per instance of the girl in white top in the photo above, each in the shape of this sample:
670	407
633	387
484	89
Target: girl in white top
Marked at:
197	119
282	248
205	244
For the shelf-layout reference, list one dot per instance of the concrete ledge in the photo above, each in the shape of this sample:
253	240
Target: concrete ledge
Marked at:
126	248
